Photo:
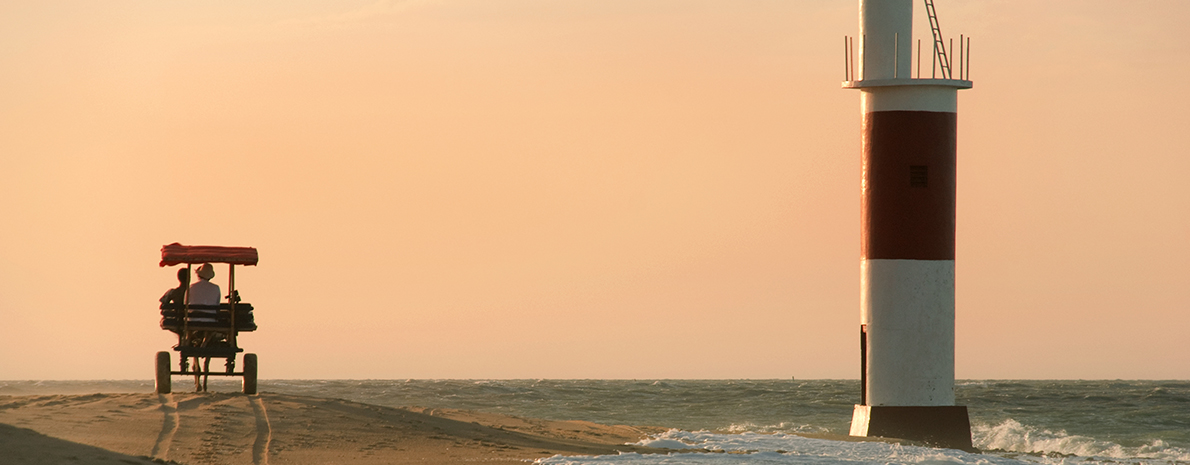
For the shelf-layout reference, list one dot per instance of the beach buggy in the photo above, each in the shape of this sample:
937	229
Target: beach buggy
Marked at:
206	331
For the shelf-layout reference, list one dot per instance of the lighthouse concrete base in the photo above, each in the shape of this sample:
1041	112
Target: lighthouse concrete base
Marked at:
939	426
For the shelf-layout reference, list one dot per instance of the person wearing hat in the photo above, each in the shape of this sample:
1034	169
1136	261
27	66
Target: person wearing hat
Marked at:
204	292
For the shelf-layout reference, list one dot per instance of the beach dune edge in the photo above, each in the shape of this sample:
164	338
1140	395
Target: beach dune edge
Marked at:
285	429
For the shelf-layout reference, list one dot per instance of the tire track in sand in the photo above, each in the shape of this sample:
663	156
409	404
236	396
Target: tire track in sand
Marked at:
264	433
169	427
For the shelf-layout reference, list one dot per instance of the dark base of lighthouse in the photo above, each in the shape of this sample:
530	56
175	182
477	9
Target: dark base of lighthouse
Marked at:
938	426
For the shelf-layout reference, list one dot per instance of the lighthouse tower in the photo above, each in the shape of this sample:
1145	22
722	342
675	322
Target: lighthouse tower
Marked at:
907	235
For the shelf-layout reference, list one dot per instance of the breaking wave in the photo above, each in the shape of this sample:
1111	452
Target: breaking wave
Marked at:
1013	437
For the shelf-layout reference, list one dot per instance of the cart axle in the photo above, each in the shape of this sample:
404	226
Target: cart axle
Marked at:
212	373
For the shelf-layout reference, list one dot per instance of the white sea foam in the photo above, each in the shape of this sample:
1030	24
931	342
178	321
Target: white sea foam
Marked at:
667	441
1012	436
783	427
755	448
1016	446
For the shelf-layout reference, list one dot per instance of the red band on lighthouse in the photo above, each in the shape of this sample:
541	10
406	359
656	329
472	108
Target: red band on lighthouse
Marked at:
908	199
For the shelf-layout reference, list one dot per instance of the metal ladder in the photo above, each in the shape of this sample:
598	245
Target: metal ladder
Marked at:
939	46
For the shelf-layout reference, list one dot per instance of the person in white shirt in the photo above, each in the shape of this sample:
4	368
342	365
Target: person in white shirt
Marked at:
204	292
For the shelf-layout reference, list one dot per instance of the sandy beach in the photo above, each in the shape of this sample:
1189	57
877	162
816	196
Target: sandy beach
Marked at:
227	428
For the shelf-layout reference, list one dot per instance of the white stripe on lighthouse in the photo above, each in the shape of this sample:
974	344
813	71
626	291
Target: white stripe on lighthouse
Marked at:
908	306
909	98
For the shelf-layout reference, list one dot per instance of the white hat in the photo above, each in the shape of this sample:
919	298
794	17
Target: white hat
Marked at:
206	271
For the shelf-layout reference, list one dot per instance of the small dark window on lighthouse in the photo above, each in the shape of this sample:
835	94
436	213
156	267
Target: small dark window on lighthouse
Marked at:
919	176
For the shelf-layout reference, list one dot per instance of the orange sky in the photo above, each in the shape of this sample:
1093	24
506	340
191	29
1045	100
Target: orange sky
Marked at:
576	189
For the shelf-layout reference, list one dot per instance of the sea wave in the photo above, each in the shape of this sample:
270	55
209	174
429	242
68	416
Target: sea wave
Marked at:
703	447
783	427
1012	436
1015	445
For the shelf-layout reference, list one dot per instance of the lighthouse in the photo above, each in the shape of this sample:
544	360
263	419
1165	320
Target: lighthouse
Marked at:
907	225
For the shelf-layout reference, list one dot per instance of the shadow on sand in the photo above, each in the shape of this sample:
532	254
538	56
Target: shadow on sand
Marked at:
23	446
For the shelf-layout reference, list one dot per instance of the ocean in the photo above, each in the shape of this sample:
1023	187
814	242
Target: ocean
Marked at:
756	421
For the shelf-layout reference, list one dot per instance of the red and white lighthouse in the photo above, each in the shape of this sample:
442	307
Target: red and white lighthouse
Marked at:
907	235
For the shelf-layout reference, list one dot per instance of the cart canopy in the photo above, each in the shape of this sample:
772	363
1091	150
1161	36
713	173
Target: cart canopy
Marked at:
176	253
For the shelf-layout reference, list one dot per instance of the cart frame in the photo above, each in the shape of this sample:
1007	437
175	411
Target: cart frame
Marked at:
206	341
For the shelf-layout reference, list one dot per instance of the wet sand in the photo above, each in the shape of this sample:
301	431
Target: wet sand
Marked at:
226	428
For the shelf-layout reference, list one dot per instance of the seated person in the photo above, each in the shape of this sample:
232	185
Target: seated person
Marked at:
177	294
204	292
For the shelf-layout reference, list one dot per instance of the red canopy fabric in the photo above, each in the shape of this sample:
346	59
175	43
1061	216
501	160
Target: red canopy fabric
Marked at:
176	253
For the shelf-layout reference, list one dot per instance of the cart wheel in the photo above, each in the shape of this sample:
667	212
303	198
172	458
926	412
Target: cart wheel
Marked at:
249	374
163	373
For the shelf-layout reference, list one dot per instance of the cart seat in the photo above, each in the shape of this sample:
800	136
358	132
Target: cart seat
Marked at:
208	317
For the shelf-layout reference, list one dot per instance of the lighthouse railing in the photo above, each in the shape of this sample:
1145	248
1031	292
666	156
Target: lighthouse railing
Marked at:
855	74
